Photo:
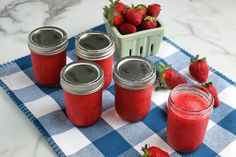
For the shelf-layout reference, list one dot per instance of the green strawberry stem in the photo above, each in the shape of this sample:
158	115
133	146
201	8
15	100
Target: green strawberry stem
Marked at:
150	18
109	11
161	68
145	151
197	59
207	84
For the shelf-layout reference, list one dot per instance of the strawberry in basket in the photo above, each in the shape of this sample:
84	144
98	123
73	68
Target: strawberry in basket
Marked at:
132	19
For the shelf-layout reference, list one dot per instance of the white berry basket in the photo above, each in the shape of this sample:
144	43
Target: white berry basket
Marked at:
143	43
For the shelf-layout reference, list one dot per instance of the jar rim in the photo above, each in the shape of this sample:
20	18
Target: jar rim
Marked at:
142	83
53	48
83	88
97	54
188	87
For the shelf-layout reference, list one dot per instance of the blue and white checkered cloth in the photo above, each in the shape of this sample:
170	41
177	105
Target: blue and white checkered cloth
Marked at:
112	136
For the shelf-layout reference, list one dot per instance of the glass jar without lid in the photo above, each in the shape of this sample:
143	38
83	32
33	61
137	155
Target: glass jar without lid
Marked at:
189	109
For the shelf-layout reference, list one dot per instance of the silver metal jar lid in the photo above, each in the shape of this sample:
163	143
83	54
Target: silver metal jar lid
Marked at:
47	40
82	78
94	45
134	72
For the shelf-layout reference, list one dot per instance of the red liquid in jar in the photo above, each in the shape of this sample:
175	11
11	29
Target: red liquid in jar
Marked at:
47	68
106	64
184	132
132	105
83	110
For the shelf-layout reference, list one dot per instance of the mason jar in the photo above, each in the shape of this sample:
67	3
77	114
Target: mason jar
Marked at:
189	109
97	47
82	83
134	77
48	54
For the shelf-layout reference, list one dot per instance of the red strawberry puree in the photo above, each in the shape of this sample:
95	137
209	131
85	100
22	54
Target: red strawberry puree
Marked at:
134	78
82	83
97	47
189	109
47	46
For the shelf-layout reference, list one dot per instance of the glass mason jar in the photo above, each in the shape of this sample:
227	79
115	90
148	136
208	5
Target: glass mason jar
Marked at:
48	54
98	47
134	77
189	109
82	83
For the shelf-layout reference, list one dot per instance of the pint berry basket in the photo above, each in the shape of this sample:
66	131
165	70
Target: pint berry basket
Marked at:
142	43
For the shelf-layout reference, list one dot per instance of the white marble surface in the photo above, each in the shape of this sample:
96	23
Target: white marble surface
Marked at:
199	26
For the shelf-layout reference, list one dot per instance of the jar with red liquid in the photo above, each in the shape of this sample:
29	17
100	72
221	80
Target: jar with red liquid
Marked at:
134	77
98	47
82	83
48	54
189	110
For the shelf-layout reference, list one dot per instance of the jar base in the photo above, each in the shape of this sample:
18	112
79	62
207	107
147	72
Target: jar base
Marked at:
129	119
183	151
87	125
48	85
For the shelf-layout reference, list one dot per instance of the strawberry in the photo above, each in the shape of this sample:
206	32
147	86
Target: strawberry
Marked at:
127	28
121	7
149	22
142	8
154	151
154	10
134	16
198	68
167	77
114	13
118	18
211	89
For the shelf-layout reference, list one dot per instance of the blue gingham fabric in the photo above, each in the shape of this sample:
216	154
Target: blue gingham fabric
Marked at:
111	136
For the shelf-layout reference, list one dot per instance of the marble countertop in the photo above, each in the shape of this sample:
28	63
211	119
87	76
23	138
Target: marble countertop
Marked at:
201	27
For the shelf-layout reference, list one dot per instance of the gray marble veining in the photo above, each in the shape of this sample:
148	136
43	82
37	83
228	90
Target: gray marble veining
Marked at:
54	9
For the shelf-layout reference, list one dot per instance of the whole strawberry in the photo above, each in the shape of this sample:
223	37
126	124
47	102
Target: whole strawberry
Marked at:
118	18
168	77
210	88
154	151
121	7
154	10
134	16
127	28
149	22
142	8
114	13
198	68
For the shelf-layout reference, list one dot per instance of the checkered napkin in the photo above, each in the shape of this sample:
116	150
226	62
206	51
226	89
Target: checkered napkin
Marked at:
112	136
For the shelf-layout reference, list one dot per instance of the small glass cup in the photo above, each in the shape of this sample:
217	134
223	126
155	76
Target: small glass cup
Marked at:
189	108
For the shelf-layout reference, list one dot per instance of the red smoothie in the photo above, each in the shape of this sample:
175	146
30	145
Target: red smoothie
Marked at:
132	105
188	115
47	68
83	110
